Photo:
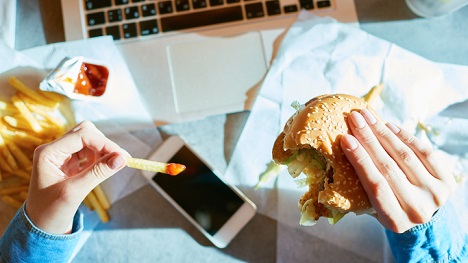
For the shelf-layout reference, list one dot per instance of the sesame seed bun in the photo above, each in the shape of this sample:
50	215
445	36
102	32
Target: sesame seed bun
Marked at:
318	126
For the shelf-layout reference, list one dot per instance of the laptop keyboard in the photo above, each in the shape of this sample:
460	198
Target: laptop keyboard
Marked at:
127	19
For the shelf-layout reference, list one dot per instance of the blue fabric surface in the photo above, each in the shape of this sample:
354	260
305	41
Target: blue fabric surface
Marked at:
24	242
439	240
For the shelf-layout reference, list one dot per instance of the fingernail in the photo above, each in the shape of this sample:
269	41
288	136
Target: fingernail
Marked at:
393	128
116	162
349	142
369	116
358	120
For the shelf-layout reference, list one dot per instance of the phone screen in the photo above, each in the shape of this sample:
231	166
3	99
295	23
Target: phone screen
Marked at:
198	191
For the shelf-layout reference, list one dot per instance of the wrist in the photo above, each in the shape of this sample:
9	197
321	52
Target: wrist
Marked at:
50	219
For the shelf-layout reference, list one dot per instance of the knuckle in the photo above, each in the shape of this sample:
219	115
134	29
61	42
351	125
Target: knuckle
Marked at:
422	216
40	149
368	138
397	225
84	126
427	152
407	157
87	125
388	171
442	195
421	212
361	160
382	131
406	137
100	171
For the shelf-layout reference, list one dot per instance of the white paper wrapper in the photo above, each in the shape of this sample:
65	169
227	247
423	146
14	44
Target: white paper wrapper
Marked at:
319	56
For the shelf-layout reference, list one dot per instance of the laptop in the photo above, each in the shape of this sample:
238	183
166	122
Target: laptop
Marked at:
195	58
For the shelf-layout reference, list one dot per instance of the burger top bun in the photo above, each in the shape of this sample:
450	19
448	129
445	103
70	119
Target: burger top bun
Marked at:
319	125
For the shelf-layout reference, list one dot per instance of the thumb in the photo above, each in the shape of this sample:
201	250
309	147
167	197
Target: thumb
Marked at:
102	169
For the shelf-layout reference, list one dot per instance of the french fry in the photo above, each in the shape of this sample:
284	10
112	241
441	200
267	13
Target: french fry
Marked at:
23	195
153	166
11	201
9	180
13	189
373	93
7	154
20	136
51	95
88	203
23	174
29	101
19	155
19	104
32	118
20	86
98	207
46	115
17	123
7	107
101	197
4	166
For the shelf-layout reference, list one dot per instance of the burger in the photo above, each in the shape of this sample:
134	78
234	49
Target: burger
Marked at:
310	147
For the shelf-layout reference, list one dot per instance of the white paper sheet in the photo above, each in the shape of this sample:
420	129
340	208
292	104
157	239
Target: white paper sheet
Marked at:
318	56
8	22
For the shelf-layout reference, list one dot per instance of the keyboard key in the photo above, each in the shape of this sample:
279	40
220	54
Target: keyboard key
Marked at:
95	32
114	15
121	2
307	4
132	12
95	18
322	4
165	7
254	10
233	1
198	4
204	18
136	1
148	10
182	5
290	8
113	31
129	30
95	4
273	7
216	2
149	27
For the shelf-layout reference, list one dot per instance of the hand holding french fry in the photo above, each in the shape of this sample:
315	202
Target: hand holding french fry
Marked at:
66	171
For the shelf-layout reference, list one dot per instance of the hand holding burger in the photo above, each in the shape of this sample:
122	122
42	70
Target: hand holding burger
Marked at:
403	178
379	169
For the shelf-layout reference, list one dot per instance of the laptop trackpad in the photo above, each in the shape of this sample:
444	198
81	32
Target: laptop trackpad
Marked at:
215	73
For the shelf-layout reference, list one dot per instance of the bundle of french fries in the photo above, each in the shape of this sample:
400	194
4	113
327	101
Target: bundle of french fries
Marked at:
31	118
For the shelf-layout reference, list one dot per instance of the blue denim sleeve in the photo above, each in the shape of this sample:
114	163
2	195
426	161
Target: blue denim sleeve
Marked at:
24	242
439	240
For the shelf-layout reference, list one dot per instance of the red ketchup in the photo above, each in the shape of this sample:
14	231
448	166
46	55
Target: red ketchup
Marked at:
174	168
92	80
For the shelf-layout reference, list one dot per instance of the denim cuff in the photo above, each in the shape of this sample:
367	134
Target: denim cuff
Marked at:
77	226
439	240
25	242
